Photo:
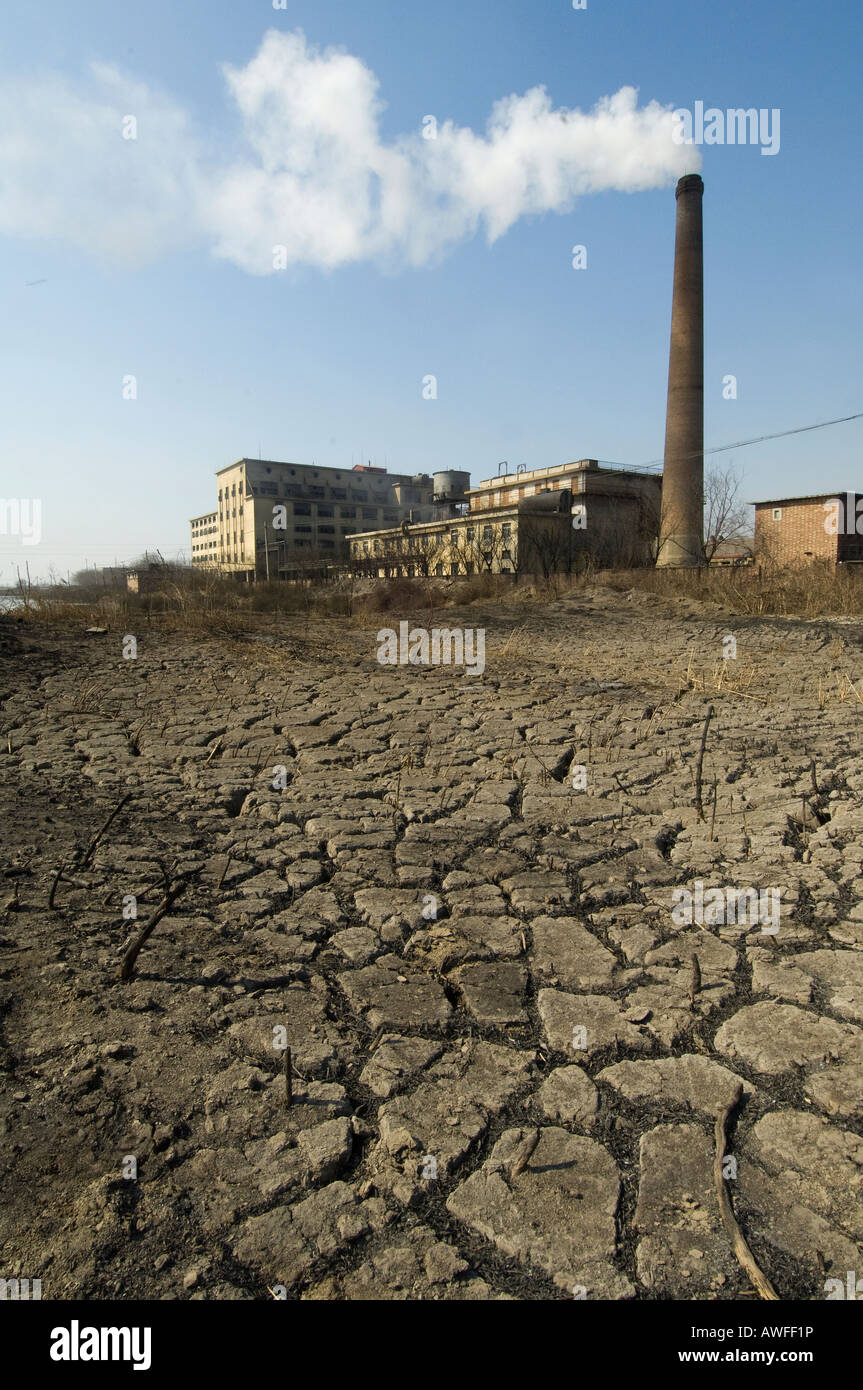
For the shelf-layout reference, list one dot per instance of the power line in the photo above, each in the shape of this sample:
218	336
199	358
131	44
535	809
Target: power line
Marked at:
741	443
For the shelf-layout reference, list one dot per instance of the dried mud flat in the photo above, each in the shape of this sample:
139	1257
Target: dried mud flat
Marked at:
505	1077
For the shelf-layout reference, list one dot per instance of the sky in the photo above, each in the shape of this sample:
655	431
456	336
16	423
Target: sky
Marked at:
224	232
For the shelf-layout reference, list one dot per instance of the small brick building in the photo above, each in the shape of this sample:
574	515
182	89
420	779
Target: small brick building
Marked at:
801	530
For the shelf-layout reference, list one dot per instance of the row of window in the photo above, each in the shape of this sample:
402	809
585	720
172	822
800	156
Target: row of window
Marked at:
422	542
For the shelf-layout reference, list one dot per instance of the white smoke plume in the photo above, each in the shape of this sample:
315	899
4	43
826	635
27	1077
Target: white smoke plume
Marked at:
312	174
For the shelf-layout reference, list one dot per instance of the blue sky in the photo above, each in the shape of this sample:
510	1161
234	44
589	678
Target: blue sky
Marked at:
536	362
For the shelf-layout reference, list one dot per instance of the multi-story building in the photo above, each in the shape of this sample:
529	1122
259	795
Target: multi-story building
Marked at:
205	539
530	522
799	530
278	519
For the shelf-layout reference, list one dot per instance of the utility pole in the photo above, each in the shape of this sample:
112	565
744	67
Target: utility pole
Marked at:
266	552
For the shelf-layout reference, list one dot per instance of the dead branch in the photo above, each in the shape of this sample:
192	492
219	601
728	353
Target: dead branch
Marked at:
741	1250
178	887
99	833
700	764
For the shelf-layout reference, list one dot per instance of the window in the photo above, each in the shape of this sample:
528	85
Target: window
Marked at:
324	511
326	530
777	513
370	513
453	569
302	509
339	493
345	512
486	533
453	535
305	529
506	530
470	533
439	571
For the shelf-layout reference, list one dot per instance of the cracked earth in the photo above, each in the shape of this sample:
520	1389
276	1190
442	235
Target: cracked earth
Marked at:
505	1065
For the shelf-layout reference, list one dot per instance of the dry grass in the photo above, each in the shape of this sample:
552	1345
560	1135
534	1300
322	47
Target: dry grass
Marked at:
805	591
220	606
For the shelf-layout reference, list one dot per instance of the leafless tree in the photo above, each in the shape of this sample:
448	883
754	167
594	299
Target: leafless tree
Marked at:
725	516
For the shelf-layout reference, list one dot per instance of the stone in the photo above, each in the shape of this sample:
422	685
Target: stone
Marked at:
396	1000
358	945
564	949
493	993
568	1096
696	1082
564	1015
683	1247
453	1105
395	1061
326	1148
522	1215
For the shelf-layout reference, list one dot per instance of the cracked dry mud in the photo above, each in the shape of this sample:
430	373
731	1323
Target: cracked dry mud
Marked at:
428	910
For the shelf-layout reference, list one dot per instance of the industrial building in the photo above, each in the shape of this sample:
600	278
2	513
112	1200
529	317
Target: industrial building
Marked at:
539	522
276	520
801	530
289	520
205	538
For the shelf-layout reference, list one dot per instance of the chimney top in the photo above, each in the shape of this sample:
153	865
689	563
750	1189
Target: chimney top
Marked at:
690	183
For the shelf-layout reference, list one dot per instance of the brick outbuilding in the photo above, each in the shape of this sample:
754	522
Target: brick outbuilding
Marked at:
800	530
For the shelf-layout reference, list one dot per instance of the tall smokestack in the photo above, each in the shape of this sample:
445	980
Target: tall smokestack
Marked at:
682	532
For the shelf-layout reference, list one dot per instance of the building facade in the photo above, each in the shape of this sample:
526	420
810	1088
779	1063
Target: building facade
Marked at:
543	521
802	530
275	520
205	539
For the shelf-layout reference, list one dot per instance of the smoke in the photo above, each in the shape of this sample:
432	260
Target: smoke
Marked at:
312	181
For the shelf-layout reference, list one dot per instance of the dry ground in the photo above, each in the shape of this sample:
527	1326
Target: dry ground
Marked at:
505	1068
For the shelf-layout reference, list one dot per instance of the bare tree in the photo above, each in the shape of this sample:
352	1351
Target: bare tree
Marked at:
725	516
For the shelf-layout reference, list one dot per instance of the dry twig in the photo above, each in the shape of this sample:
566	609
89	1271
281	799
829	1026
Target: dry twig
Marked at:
127	967
744	1255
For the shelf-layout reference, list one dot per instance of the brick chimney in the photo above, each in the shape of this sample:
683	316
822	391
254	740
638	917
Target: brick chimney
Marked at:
681	535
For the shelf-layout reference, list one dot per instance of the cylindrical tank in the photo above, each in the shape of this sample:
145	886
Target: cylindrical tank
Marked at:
451	486
547	502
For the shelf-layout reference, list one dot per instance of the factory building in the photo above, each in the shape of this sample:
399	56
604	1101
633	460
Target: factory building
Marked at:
205	539
538	522
276	520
